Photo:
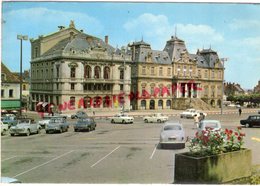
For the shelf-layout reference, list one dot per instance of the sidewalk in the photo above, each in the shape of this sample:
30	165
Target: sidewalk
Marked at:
142	113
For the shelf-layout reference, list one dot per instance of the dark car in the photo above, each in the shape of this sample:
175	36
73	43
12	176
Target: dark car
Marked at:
85	124
79	114
251	121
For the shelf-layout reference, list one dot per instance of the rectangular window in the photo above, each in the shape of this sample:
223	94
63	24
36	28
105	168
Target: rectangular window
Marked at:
168	71
121	87
143	70
206	74
160	71
58	71
152	70
2	93
11	93
72	86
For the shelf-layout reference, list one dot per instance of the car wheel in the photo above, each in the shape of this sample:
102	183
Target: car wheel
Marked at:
38	131
4	132
112	121
146	121
159	121
12	134
28	133
123	122
47	132
75	130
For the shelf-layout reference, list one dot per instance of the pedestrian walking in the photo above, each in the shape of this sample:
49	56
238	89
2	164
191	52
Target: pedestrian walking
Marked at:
196	120
239	111
201	117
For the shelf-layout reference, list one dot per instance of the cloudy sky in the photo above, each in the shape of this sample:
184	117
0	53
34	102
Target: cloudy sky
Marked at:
231	29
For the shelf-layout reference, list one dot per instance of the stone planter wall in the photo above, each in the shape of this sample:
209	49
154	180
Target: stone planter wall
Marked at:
212	169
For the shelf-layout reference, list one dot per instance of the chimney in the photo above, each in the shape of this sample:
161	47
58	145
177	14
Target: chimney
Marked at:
106	40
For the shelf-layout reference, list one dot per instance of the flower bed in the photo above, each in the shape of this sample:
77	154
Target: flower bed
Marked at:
214	157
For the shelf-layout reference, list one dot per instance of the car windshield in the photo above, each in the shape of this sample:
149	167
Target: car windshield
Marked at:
56	120
87	121
211	125
24	121
172	127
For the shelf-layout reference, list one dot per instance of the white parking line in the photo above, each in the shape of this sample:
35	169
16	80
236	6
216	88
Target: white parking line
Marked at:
43	164
8	158
105	157
151	157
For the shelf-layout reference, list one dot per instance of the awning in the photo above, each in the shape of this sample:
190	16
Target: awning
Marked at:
44	104
38	104
10	104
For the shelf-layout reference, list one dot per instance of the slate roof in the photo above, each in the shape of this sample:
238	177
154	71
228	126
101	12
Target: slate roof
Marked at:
175	47
10	77
79	43
143	50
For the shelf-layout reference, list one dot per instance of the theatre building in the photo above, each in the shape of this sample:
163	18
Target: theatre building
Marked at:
73	70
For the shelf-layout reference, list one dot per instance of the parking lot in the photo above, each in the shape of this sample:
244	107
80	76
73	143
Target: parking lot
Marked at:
113	153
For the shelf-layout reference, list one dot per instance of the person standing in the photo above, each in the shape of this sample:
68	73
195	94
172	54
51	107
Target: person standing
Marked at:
239	111
196	120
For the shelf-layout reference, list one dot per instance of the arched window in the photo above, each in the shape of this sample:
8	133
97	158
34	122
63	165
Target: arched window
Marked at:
160	103
121	74
87	71
72	72
97	72
72	101
106	72
143	104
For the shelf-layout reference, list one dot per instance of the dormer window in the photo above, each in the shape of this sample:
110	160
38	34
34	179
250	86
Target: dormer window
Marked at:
3	76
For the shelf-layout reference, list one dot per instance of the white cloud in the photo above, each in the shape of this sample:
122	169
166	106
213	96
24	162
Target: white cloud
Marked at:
237	24
157	30
44	17
252	42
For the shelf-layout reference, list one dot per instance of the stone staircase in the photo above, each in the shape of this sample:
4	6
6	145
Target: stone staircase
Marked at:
196	103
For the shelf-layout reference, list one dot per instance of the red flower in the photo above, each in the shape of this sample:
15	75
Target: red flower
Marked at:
239	138
242	134
230	131
236	133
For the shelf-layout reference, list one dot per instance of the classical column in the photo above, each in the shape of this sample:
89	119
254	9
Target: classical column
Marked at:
177	90
102	72
191	90
92	71
186	90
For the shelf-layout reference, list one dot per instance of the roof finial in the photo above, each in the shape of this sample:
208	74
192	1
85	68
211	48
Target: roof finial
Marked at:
142	38
210	46
175	31
72	25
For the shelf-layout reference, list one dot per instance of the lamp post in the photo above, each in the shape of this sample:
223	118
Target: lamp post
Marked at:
222	100
21	38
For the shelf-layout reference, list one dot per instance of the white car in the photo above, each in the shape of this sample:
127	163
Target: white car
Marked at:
45	120
4	128
25	126
213	124
158	117
172	135
189	113
121	118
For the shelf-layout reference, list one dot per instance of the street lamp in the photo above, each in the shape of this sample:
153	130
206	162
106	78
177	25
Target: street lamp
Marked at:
222	100
21	38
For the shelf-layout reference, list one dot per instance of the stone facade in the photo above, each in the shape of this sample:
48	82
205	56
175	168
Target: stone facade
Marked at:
166	79
73	70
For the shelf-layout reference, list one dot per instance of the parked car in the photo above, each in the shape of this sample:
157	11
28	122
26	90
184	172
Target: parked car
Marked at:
44	121
251	121
189	113
25	126
79	114
213	124
121	118
57	124
158	117
259	112
172	135
85	124
4	128
9	121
